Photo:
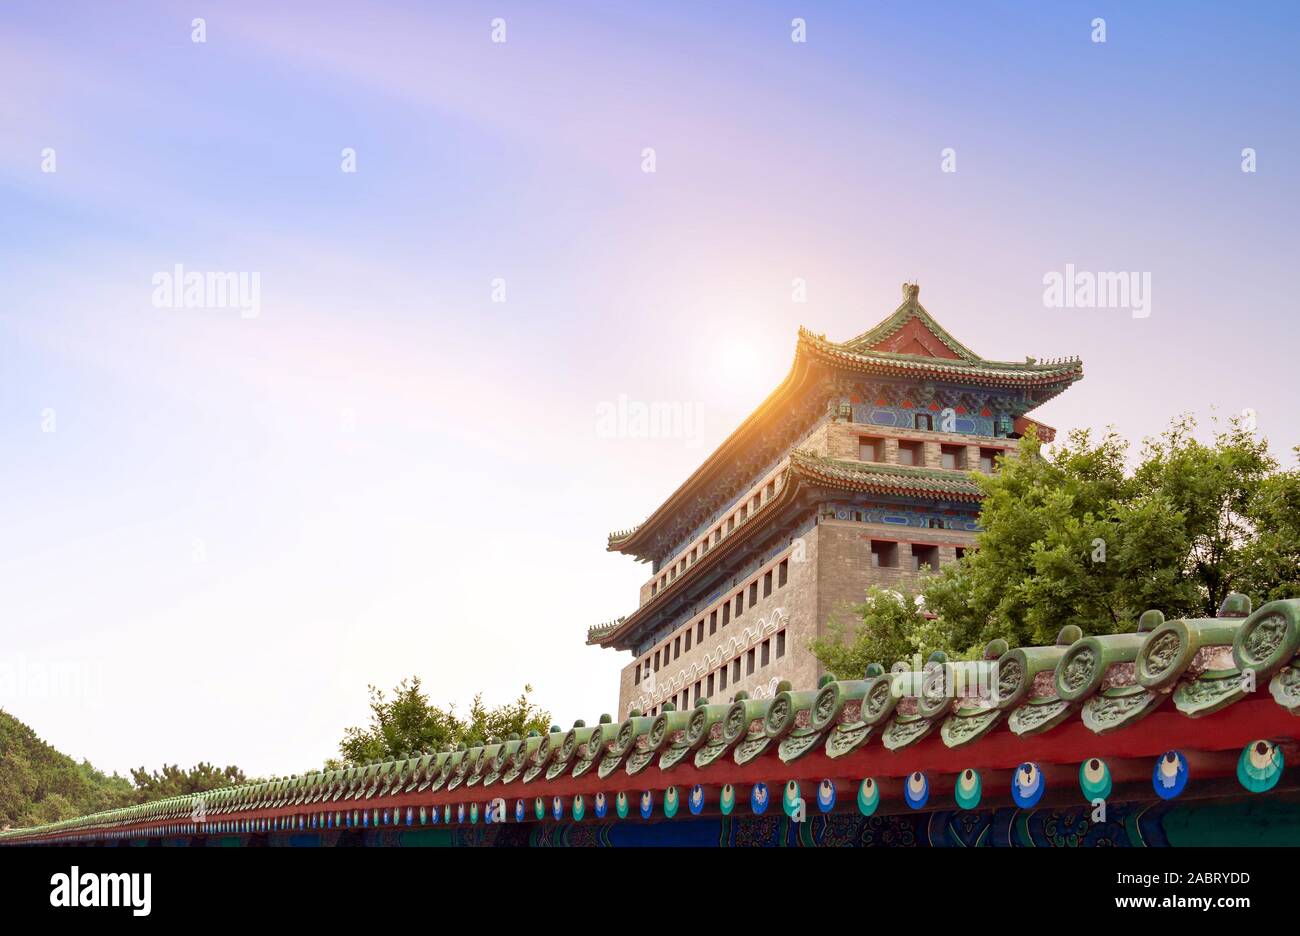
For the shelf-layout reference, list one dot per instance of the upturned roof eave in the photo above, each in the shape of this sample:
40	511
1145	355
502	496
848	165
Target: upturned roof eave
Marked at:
804	469
629	541
1055	378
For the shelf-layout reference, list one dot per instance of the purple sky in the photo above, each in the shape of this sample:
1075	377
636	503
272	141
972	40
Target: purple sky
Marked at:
239	522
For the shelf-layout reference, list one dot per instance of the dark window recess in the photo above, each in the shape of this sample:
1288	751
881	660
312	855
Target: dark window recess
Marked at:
884	554
923	421
780	645
713	622
988	460
722	679
726	614
735	670
871	449
636	680
688	639
749	663
740	604
753	594
709	686
952	456
781	571
925	557
699	632
767	583
677	647
911	453
766	655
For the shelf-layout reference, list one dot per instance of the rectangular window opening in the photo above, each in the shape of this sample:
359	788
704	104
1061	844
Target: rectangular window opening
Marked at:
911	453
925	557
871	449
884	554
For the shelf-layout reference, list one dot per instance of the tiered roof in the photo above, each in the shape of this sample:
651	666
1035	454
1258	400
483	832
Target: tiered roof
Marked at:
909	344
1177	708
805	472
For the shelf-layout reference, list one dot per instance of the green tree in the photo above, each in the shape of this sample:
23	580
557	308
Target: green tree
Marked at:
1067	538
1269	565
39	784
894	627
406	721
1071	536
172	781
1217	488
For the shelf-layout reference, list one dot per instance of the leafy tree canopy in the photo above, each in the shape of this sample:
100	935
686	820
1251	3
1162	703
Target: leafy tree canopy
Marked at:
172	781
405	721
1072	536
38	784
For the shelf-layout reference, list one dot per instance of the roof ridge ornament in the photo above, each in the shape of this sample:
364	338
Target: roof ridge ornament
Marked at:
911	292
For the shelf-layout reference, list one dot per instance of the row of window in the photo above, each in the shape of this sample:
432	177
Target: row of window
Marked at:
755	658
724	528
884	555
721	616
872	449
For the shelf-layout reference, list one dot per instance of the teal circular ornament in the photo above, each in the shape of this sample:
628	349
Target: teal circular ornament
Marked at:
424	815
1260	766
727	799
539	808
968	789
473	813
1027	785
790	798
670	802
868	796
621	805
579	808
1094	779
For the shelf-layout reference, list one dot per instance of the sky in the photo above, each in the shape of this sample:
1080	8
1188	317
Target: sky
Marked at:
220	524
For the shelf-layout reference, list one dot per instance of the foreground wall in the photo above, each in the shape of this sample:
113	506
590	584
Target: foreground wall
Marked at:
1241	821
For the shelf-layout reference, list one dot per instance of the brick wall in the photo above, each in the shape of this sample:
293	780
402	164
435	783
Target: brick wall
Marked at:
794	604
